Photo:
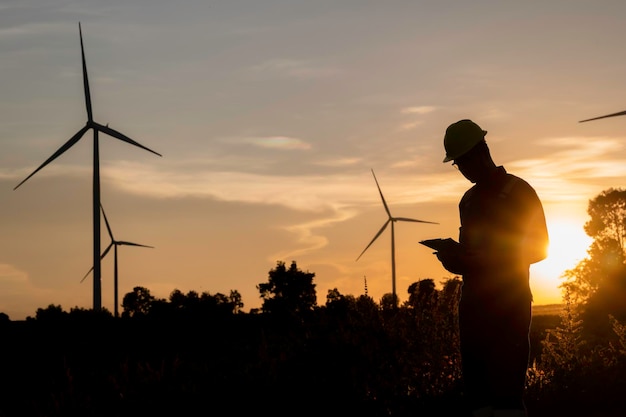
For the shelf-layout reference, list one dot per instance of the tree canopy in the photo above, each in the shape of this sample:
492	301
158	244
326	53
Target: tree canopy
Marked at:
608	216
288	290
598	282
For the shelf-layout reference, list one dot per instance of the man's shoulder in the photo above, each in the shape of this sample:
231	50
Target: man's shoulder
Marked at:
502	185
468	194
514	181
518	189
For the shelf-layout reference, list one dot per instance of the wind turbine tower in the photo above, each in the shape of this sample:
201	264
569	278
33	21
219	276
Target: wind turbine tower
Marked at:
114	244
390	219
96	127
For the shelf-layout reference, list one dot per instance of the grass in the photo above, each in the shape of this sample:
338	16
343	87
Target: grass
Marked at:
547	310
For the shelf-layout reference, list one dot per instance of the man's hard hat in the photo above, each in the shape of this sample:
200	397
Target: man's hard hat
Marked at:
461	137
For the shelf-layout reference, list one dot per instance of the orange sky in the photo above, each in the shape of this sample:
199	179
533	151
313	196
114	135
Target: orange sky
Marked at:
269	119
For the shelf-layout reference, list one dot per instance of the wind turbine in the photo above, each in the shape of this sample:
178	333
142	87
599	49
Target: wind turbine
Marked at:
114	243
390	219
621	113
97	127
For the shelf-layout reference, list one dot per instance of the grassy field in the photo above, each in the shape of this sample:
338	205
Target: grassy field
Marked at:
547	309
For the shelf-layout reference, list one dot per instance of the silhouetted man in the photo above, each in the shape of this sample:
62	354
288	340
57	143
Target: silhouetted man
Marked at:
503	231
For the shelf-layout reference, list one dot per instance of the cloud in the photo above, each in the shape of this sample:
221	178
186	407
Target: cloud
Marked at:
573	168
295	68
11	276
418	110
409	126
405	164
584	146
51	170
310	240
580	158
339	162
415	110
20	30
278	142
9	175
308	193
15	286
570	169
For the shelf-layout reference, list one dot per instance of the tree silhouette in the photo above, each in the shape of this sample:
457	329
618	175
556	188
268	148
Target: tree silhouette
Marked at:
422	294
389	301
605	259
608	216
221	304
597	284
288	291
137	303
338	305
52	312
236	301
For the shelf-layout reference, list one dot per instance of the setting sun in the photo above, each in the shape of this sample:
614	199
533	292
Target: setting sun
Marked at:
568	245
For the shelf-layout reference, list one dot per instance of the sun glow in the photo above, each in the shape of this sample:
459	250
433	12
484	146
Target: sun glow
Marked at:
568	246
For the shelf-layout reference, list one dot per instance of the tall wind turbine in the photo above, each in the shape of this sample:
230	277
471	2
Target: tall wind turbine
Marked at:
621	113
390	219
114	243
97	127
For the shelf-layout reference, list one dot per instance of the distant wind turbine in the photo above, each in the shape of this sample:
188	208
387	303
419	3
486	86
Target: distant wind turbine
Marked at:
621	113
391	220
91	124
114	243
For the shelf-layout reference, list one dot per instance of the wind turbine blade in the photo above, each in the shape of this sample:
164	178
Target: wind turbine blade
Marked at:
621	113
87	274
106	221
406	219
382	229
123	242
101	257
85	78
107	250
120	136
60	151
381	195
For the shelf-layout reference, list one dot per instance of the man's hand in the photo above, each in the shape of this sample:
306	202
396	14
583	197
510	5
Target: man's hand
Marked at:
452	260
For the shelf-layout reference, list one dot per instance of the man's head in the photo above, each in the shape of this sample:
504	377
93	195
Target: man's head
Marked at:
465	145
461	137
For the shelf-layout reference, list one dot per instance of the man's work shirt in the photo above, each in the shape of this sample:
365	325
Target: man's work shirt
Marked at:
502	218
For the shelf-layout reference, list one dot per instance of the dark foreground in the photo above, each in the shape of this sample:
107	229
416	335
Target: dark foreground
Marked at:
252	364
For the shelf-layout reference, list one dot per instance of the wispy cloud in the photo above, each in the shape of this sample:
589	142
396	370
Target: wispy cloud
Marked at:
414	110
277	142
37	29
569	170
269	142
418	110
295	68
11	276
573	168
51	170
308	238
339	162
584	146
305	192
14	286
409	126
